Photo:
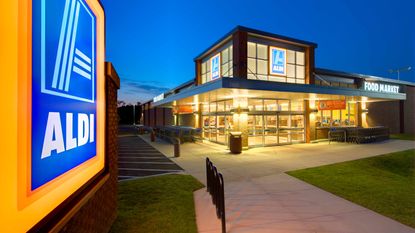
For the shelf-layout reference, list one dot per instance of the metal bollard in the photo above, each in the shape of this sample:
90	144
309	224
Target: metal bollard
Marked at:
177	148
152	136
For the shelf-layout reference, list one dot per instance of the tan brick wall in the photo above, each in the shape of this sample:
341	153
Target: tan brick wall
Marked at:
98	214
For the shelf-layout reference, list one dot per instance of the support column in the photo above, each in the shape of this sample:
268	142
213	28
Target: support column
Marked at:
307	121
240	54
240	119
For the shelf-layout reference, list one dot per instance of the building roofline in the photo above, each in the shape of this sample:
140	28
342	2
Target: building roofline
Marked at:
228	35
172	90
360	76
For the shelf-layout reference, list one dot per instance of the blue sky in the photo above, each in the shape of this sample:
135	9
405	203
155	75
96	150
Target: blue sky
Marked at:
152	43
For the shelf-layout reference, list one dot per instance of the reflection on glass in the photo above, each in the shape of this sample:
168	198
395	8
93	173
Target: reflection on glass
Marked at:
255	105
297	121
221	106
283	121
270	105
283	137
270	130
283	105
297	105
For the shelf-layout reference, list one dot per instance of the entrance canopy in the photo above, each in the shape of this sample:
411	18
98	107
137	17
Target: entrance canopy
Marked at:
230	88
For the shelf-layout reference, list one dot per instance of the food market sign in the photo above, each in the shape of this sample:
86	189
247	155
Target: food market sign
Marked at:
380	87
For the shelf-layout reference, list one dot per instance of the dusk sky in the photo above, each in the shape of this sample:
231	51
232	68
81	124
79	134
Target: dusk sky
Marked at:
152	43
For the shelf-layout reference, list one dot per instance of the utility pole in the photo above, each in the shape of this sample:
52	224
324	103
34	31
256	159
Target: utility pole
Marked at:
133	114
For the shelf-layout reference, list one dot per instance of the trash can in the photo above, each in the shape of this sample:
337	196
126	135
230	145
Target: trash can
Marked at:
235	142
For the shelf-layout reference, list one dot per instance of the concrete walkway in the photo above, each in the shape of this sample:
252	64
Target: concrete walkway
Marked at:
260	197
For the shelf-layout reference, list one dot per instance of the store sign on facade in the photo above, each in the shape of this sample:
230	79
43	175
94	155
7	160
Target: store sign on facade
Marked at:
277	61
215	66
380	87
331	104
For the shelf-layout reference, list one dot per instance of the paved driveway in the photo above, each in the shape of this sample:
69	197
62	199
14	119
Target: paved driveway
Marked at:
260	197
136	158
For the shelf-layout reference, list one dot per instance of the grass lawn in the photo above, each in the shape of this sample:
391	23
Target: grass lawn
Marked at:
403	136
157	204
385	183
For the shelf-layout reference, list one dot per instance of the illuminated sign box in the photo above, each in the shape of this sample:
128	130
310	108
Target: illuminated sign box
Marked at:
64	109
61	107
277	61
215	67
158	98
331	104
380	87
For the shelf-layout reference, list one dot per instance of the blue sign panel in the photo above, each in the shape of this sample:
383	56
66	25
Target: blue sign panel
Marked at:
63	88
215	67
277	61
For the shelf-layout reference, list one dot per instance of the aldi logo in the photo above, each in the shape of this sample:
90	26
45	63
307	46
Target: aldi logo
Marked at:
215	66
68	50
64	107
277	61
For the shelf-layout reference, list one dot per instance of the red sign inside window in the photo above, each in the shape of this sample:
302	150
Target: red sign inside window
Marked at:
331	104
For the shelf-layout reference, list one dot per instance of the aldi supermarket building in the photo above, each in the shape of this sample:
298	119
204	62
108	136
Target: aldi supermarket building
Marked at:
267	87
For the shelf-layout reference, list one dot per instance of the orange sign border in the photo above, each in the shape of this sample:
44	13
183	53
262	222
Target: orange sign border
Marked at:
58	190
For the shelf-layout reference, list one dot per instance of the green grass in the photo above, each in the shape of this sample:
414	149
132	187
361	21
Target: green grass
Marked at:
157	204
385	183
403	136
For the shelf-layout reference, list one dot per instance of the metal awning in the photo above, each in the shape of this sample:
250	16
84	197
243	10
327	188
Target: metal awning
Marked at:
228	88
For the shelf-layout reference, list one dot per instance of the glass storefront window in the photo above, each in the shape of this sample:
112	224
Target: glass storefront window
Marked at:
262	51
270	105
284	121
335	118
228	105
326	118
212	107
258	62
297	121
343	117
226	55
299	58
205	108
283	105
255	105
221	106
297	106
352	113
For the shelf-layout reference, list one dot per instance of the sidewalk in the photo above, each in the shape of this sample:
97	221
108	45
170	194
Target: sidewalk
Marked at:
260	197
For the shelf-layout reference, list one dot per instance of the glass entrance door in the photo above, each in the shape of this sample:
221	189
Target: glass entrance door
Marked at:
225	124
270	130
256	130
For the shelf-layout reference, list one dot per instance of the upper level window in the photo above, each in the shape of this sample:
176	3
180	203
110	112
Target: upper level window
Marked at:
275	64
218	65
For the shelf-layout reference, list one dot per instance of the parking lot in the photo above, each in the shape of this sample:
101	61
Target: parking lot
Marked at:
137	158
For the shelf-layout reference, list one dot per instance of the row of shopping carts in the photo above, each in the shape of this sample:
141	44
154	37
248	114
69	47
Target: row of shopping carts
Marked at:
359	134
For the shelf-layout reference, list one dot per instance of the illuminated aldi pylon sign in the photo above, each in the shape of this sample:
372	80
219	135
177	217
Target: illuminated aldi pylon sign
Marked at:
66	101
58	136
64	108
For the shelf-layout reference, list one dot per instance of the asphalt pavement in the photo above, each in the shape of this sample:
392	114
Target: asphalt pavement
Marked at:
136	158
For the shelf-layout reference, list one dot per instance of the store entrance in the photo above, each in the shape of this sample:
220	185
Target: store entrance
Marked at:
275	129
